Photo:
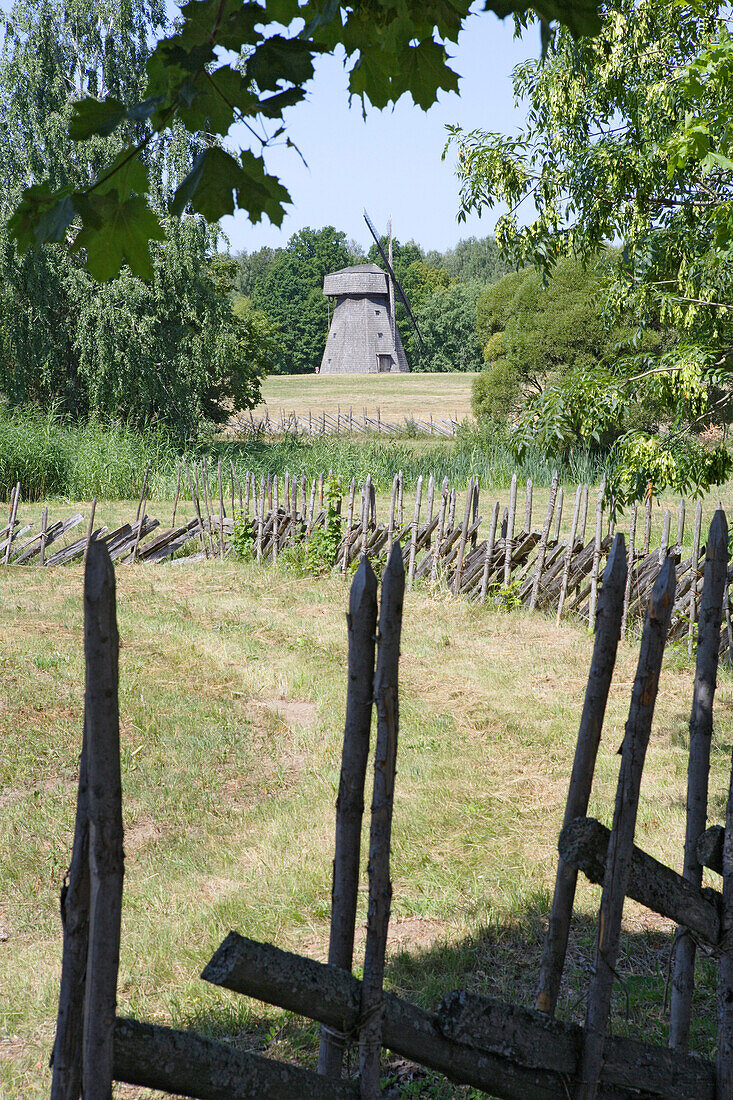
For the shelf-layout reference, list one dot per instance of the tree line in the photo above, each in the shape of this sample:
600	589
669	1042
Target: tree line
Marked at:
286	286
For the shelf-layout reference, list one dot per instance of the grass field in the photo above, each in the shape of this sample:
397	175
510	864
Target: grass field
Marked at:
398	396
232	694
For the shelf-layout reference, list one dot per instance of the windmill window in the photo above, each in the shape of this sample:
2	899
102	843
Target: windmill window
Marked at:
376	312
379	334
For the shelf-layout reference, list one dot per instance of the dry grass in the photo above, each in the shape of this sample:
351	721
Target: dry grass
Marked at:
398	396
232	689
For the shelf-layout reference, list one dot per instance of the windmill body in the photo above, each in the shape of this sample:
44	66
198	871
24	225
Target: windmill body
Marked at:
363	337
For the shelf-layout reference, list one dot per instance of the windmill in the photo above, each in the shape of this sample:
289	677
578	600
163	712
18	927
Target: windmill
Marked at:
363	337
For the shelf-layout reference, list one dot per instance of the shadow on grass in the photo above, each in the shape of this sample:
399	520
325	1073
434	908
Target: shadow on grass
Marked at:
500	960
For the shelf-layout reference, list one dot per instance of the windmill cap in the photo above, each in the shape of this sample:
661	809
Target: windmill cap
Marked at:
360	279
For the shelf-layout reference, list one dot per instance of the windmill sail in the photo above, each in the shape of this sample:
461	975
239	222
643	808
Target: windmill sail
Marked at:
395	280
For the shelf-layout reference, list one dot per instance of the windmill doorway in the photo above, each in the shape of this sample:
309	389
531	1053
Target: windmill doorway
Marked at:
384	364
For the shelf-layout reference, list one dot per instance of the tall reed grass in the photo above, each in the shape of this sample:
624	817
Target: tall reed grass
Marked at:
54	459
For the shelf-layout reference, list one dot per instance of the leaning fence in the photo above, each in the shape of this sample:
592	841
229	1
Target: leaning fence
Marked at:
510	556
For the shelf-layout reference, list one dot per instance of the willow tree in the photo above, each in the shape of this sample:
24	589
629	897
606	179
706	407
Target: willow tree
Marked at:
161	345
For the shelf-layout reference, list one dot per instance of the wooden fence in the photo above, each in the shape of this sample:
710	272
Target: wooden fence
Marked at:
320	422
505	1050
515	562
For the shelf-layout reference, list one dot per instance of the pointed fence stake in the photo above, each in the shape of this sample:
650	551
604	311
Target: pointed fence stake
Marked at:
636	739
104	794
380	887
608	632
724	1059
698	767
362	624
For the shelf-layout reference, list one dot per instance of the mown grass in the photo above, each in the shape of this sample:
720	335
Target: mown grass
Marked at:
398	396
232	694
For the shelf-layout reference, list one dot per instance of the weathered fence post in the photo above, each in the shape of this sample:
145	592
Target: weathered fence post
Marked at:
414	532
66	1059
595	569
349	526
636	739
440	532
569	550
90	528
698	767
693	587
104	795
11	521
629	568
543	542
362	622
178	489
558	514
391	520
489	552
724	1059
510	531
462	542
380	887
608	632
44	535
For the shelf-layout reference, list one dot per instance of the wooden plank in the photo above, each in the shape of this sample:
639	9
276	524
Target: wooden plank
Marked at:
386	698
332	996
462	543
698	767
529	1038
583	844
362	624
638	728
605	646
187	1064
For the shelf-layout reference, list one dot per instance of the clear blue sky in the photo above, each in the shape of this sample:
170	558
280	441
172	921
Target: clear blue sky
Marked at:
390	163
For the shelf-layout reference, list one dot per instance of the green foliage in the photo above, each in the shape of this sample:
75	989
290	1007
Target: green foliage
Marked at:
52	458
628	139
472	260
242	539
166	349
447	320
389	49
320	554
290	293
535	333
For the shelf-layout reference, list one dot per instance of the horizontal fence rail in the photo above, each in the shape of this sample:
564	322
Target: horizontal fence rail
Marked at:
506	558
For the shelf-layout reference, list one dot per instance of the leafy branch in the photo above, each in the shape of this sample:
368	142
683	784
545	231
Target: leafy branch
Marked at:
390	49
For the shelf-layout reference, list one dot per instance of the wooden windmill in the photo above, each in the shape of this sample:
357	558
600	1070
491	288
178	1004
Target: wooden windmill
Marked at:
363	337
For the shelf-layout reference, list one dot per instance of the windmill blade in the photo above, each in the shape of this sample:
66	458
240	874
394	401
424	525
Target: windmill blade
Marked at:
395	280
